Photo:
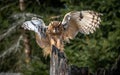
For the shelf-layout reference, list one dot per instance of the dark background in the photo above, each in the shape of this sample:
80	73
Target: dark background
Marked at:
97	50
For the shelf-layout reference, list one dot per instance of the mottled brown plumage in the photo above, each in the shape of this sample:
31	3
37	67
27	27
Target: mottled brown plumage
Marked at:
56	33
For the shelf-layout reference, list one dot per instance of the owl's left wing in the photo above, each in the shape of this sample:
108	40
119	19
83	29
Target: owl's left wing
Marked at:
84	22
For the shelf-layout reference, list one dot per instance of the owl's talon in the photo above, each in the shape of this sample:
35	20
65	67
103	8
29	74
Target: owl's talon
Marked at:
55	50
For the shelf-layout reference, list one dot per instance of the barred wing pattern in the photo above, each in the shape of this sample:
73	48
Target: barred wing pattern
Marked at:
85	22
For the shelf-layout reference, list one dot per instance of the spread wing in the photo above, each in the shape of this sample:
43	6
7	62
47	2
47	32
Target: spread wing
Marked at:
38	26
84	22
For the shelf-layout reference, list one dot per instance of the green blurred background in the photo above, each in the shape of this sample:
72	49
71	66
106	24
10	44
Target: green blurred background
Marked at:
98	50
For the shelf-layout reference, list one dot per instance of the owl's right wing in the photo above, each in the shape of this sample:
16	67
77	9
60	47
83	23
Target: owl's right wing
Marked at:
38	26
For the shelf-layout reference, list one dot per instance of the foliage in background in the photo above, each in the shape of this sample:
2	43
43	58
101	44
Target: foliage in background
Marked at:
98	50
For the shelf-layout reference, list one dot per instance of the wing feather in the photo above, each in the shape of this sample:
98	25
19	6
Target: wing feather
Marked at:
38	26
85	22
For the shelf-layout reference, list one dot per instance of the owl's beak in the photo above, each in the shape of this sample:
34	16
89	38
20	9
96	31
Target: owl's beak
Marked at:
55	30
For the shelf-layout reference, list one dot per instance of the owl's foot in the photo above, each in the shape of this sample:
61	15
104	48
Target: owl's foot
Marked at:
58	52
54	50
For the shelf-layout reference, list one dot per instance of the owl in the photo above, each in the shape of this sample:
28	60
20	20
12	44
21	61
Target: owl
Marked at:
59	32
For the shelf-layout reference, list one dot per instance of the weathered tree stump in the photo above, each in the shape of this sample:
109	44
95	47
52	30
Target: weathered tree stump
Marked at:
58	62
59	66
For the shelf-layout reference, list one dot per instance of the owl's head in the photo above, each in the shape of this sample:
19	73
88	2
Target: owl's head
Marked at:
55	27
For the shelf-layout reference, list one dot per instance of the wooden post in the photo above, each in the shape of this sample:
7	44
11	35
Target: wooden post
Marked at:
58	62
59	66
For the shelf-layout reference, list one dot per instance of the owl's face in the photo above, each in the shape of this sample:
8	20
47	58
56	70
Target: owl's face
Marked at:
55	27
